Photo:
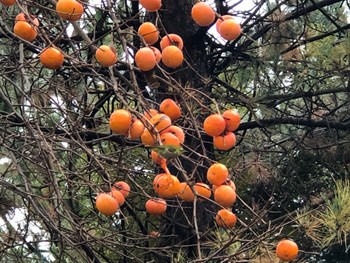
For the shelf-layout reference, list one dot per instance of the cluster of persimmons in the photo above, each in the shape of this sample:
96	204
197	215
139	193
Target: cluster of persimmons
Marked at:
172	44
156	128
147	57
26	27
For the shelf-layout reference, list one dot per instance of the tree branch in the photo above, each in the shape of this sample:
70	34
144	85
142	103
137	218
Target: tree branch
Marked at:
293	15
295	121
277	99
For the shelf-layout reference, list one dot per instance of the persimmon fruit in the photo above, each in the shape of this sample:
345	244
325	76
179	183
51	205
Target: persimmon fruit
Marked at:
232	119
156	206
106	204
220	20
168	188
70	10
214	125
171	40
106	56
166	185
157	53
228	182
148	138
145	59
51	58
31	20
230	29
225	218
136	129
118	196
217	174
120	121
287	250
25	30
8	2
149	32
150	113
225	142
123	187
177	131
170	108
225	196
186	194
202	189
172	57
160	122
202	14
168	138
151	5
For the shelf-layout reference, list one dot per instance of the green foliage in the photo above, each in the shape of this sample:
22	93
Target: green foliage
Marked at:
329	225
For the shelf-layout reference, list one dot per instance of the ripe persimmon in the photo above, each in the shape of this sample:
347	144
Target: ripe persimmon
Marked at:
8	2
156	206
225	196
202	189
106	56
186	194
225	218
160	122
70	10
214	125
172	57
230	29
173	188
220	20
136	129
217	174
106	204
149	32
155	179
123	188
148	138
225	142
202	14
157	53
228	182
150	113
25	30
287	250
171	40
118	196
51	58
166	185
120	121
168	138
145	59
232	119
31	20
170	108
177	131
151	5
